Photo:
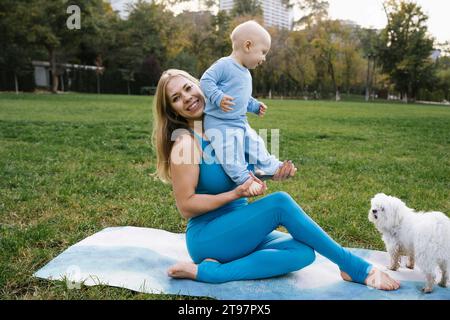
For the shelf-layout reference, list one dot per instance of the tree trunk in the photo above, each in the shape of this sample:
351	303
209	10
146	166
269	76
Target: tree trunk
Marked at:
52	55
16	83
368	80
409	97
336	89
62	83
98	83
372	78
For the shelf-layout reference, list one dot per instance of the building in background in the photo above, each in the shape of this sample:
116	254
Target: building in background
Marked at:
42	74
275	14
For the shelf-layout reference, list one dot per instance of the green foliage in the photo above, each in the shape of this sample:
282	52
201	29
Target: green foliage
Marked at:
443	76
313	11
320	57
246	8
406	48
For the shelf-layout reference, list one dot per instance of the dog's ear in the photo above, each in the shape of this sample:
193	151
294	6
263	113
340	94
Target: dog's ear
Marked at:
396	206
379	195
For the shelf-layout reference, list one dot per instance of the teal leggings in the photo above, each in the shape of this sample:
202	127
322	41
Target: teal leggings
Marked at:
247	245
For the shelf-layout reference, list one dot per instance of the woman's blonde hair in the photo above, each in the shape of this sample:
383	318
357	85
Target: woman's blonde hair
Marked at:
165	122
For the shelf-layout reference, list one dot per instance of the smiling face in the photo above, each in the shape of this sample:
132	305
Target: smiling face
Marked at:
186	98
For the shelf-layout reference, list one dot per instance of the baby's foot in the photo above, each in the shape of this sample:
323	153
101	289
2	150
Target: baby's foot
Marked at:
255	187
377	279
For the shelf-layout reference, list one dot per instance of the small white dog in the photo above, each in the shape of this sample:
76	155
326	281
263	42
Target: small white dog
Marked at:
424	237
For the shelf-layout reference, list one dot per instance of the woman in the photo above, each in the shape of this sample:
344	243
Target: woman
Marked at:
228	238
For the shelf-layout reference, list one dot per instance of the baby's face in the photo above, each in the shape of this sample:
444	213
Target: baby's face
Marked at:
255	55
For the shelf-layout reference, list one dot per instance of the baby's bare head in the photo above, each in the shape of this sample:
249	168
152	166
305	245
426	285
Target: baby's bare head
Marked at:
250	38
249	31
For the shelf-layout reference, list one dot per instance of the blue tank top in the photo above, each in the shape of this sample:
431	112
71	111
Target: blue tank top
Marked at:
213	180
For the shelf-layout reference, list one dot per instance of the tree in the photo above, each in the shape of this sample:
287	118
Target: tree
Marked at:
222	26
349	57
326	44
406	47
15	59
145	42
313	11
267	78
443	76
246	8
297	62
44	24
198	41
370	44
14	51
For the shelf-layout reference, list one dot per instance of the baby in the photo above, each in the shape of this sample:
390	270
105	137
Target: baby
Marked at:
227	86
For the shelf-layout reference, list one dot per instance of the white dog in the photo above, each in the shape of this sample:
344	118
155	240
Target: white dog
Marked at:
424	237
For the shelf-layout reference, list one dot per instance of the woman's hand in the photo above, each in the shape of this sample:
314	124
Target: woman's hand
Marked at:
286	171
244	189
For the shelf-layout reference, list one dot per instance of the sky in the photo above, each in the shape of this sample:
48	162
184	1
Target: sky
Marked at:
366	13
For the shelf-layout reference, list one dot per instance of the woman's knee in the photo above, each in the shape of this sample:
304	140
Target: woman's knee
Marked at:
283	201
281	196
304	257
309	255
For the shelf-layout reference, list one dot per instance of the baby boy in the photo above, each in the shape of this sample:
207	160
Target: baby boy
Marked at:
227	86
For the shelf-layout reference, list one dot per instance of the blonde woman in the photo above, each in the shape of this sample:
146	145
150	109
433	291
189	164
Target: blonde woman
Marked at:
228	238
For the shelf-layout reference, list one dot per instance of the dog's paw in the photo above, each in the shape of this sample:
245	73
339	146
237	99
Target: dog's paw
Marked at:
427	289
393	268
443	284
410	263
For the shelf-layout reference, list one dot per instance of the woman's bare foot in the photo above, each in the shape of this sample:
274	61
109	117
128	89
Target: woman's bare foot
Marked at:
377	279
184	270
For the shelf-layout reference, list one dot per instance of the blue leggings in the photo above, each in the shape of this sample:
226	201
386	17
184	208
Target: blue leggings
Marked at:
247	246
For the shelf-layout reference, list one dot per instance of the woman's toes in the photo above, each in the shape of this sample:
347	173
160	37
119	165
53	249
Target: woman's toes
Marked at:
377	279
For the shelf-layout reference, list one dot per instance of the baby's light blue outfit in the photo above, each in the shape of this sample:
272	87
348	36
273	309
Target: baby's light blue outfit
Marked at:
229	132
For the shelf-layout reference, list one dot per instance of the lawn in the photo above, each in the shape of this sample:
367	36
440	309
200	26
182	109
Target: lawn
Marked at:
73	164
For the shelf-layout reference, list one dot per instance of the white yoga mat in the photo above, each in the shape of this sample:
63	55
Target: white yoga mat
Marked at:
137	259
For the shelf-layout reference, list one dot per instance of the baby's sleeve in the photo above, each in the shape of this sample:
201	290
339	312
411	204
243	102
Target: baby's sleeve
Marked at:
209	81
253	105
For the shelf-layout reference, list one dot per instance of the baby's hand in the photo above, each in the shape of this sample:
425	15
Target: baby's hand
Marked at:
226	103
262	109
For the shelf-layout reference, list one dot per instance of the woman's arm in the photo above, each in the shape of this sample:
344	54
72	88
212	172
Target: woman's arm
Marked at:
185	178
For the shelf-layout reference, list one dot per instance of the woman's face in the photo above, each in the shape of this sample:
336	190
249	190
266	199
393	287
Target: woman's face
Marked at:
185	97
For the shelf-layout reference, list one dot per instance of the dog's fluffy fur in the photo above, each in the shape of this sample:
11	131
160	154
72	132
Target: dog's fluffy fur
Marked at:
424	237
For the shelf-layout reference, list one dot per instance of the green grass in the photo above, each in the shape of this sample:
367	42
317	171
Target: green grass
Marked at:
73	164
